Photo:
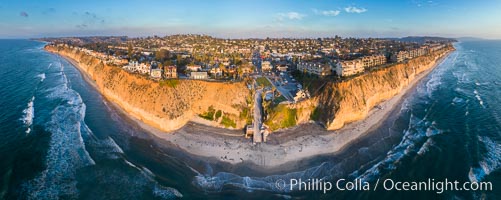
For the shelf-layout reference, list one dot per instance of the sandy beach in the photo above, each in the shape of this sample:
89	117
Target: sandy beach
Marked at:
283	148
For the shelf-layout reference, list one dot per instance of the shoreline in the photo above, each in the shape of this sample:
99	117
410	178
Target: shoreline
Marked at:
285	149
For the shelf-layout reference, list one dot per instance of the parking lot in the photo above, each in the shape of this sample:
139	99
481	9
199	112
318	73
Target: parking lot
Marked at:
284	83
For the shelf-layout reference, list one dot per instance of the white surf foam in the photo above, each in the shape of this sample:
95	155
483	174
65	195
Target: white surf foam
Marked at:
41	76
480	101
491	160
418	131
29	114
66	152
166	192
457	101
216	182
426	146
105	148
159	191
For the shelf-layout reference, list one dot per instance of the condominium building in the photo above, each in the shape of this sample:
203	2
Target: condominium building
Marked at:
374	60
349	67
410	54
315	68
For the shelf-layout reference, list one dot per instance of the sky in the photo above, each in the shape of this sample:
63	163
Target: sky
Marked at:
251	19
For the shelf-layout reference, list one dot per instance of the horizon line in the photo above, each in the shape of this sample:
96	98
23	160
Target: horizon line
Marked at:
241	38
256	37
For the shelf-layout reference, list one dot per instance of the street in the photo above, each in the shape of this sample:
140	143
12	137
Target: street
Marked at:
258	100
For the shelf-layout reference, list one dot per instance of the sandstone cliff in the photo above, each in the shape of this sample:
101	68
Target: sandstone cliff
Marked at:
166	106
339	103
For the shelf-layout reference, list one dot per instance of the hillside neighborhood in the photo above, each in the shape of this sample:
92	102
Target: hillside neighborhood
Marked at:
277	71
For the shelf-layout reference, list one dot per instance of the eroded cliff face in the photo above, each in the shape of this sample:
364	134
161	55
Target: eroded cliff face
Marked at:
351	100
166	107
339	103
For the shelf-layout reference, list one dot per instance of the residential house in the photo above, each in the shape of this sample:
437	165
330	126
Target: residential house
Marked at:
156	73
194	68
266	66
198	75
282	68
300	95
143	68
246	69
170	72
131	66
216	71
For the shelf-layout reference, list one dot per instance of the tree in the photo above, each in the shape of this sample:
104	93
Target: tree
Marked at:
222	67
129	50
240	71
168	63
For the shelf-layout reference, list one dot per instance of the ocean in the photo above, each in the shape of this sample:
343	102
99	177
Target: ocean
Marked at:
61	139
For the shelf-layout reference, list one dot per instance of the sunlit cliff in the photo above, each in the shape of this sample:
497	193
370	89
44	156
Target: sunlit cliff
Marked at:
167	106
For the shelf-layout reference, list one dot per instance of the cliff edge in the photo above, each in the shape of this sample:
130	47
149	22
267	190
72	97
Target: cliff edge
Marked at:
167	105
339	103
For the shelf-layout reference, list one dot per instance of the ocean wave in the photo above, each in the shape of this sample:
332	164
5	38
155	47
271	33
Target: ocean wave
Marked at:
109	145
166	192
480	101
216	182
415	135
436	76
29	114
461	77
107	148
426	146
417	138
481	84
432	130
66	153
62	89
158	190
491	160
457	101
433	83
41	76
405	105
104	148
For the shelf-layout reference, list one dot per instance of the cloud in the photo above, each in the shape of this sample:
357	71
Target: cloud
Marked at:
290	15
424	3
49	11
81	26
328	13
352	9
23	14
90	19
93	15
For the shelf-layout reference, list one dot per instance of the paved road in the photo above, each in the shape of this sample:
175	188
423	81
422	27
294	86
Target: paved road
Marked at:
258	103
282	90
257	62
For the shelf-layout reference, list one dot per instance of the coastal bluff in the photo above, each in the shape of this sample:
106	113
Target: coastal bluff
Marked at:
340	103
166	106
